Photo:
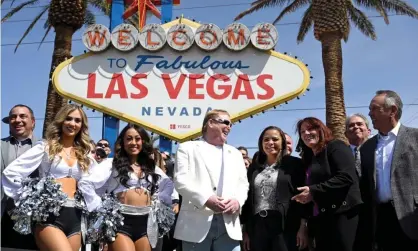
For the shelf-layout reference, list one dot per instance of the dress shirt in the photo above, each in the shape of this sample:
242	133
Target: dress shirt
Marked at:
384	154
216	153
353	149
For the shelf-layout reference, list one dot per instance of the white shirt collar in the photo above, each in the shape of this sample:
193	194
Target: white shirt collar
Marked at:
394	132
208	144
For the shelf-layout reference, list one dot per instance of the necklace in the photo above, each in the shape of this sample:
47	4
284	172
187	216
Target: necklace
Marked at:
136	167
68	155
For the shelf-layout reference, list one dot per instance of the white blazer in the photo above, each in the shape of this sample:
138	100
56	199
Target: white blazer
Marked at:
192	181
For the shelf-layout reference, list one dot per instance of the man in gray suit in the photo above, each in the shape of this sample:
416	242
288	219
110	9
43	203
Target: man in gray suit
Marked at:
389	183
21	124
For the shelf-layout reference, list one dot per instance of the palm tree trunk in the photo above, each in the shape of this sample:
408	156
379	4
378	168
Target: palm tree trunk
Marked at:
62	51
334	93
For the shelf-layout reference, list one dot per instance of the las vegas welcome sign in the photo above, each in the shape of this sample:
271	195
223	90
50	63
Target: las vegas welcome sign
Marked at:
167	77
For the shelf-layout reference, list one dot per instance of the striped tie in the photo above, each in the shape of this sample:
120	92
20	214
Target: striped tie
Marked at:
357	161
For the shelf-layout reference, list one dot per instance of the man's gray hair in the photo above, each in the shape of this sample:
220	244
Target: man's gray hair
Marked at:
364	118
392	99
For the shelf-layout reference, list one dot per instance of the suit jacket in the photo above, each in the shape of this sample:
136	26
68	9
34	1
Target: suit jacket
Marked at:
192	181
5	144
11	238
335	185
6	160
291	176
404	180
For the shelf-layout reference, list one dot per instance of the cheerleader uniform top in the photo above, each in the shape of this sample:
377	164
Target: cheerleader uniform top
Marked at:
38	158
104	178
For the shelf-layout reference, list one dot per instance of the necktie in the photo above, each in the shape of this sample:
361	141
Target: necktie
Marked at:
357	161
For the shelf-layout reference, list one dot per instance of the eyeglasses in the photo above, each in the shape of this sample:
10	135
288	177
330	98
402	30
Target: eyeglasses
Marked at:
223	121
102	145
69	119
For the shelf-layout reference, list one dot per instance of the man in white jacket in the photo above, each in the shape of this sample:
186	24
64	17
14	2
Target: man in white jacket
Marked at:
211	177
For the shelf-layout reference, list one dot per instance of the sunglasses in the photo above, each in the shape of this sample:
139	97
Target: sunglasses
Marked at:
223	121
69	119
102	145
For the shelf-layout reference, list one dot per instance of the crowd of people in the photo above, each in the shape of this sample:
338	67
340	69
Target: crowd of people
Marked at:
360	196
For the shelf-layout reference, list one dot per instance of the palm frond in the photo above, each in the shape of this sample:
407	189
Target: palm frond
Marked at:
270	3
100	5
46	34
30	27
257	2
130	21
47	23
376	5
260	5
11	4
400	8
134	20
361	21
89	18
306	24
291	8
17	9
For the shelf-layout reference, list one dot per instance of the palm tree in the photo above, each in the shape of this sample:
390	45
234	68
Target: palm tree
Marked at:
66	17
330	19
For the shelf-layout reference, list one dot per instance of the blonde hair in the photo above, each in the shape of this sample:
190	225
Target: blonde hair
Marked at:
81	141
211	115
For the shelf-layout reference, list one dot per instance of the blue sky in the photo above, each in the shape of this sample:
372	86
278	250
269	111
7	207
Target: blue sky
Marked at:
388	63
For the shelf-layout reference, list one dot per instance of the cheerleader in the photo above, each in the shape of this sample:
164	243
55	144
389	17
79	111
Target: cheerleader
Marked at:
138	186
62	159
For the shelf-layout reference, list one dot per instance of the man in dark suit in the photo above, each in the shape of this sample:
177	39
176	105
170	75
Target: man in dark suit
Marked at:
21	124
357	132
389	182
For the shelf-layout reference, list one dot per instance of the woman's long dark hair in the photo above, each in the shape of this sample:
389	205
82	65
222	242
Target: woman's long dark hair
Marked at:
262	156
121	160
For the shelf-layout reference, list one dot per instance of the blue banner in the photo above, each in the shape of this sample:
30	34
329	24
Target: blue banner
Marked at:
165	145
166	11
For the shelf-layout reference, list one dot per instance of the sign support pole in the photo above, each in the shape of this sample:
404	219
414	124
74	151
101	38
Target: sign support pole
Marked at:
165	144
110	128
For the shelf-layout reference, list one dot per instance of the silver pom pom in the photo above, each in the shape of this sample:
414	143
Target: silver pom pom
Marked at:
105	221
39	198
165	218
80	203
